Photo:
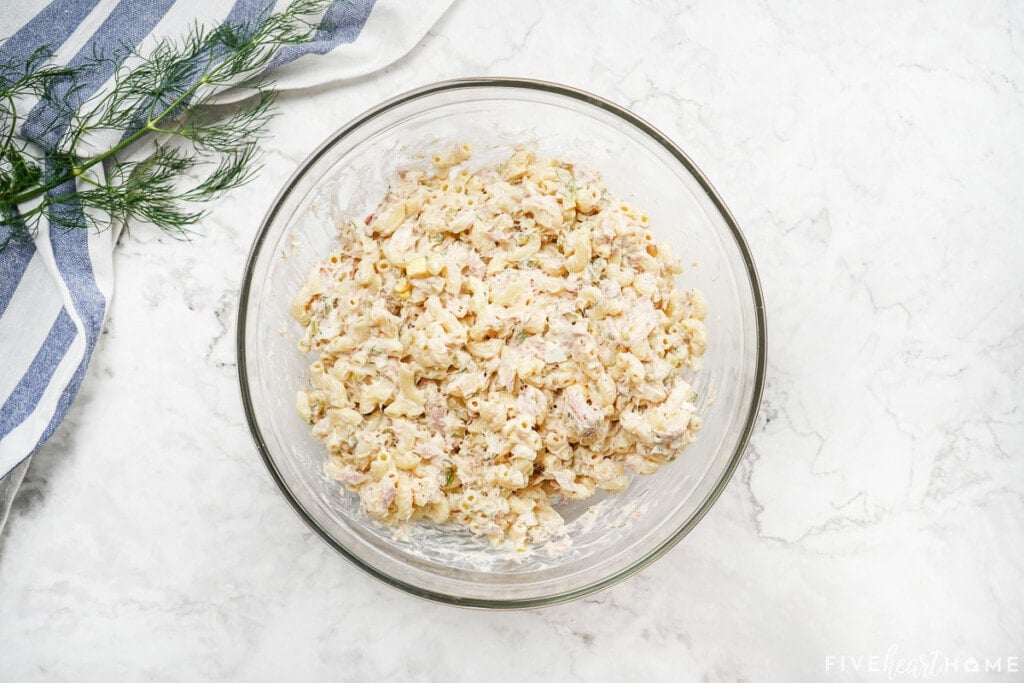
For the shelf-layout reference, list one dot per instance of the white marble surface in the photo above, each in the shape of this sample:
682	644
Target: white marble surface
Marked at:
874	155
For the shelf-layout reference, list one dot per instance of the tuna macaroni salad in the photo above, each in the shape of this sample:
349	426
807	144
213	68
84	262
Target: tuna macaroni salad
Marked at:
490	340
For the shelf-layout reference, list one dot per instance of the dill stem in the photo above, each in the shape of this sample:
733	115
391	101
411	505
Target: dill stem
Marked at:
134	137
14	123
40	179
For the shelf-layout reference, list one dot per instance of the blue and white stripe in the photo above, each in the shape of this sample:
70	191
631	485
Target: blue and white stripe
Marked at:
54	292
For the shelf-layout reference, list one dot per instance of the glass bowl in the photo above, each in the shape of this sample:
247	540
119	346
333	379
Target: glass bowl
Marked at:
613	536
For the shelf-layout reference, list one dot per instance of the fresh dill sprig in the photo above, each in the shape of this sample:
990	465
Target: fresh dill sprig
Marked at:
166	92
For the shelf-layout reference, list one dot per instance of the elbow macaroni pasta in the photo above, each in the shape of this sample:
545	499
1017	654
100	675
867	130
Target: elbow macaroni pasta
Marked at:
489	340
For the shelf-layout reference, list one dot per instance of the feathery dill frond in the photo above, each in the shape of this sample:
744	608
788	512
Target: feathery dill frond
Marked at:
166	92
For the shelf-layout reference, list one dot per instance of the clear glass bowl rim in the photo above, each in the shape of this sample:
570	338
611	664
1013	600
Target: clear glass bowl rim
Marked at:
629	118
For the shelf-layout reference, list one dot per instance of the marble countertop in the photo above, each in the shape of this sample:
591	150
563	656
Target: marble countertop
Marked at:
875	160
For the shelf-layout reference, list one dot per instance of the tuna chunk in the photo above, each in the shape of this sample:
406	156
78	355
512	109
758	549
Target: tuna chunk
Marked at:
585	417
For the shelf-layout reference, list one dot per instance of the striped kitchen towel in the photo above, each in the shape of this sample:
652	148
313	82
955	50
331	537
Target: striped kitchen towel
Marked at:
54	291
